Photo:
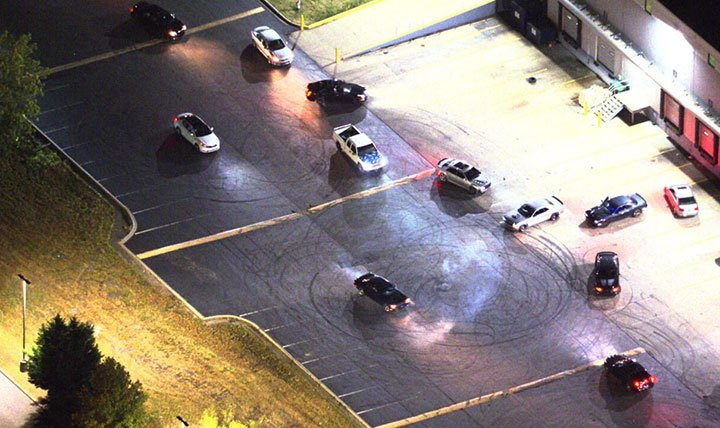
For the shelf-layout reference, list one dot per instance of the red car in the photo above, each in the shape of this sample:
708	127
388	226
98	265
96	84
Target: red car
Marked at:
681	200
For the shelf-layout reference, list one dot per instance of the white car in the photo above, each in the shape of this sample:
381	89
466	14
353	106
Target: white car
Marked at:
681	199
359	148
272	46
197	132
534	212
462	174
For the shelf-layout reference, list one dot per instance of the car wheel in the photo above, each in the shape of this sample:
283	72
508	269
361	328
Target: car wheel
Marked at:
473	190
361	292
337	145
388	309
554	216
197	147
523	228
637	212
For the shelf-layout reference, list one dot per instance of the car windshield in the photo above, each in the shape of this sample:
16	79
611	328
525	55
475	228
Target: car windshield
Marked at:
472	174
607	271
366	150
275	45
526	210
201	129
686	201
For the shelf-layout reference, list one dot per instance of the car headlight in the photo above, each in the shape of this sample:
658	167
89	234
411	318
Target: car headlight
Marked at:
274	59
172	33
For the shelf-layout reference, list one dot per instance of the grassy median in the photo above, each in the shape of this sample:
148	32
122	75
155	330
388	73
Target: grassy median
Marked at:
56	231
314	10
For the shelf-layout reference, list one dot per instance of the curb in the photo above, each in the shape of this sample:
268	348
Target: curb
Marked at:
135	260
278	14
342	14
127	215
229	318
17	385
400	37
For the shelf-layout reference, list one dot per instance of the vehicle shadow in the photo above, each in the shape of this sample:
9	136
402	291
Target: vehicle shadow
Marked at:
255	68
618	401
457	202
346	179
339	115
176	157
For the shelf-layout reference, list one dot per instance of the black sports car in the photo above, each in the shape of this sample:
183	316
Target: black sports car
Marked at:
333	90
607	273
381	291
615	209
631	374
158	20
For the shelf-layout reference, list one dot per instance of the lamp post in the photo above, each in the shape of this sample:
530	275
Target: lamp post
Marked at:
25	282
183	423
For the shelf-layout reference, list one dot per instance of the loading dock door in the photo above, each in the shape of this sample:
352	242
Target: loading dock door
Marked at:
606	54
570	25
707	142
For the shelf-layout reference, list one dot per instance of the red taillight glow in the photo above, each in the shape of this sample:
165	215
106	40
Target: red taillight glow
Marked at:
308	93
132	9
637	384
652	379
598	289
696	208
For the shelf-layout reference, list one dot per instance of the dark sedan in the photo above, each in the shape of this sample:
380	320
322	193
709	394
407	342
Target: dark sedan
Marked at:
607	273
381	291
333	90
629	373
158	20
616	208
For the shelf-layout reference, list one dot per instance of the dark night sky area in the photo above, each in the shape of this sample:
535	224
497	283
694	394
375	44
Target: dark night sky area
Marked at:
703	16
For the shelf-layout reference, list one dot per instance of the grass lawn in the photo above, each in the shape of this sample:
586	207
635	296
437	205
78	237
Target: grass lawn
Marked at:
57	232
314	10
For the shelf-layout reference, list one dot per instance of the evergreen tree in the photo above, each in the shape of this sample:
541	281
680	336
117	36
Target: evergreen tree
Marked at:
63	360
110	399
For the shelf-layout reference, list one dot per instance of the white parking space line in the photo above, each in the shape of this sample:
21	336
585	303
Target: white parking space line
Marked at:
392	403
347	372
153	42
289	217
140	232
312	360
50	131
258	311
61	108
500	394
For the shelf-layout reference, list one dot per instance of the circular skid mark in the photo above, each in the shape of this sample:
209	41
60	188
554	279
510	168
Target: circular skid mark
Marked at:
468	290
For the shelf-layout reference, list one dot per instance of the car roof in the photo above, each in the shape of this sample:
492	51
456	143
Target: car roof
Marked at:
362	140
269	34
620	200
682	190
460	164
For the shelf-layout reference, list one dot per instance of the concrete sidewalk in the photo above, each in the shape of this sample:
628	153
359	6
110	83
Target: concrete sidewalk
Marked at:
387	22
15	405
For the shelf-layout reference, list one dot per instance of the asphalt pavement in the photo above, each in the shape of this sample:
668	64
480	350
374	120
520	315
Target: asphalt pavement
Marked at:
16	406
492	309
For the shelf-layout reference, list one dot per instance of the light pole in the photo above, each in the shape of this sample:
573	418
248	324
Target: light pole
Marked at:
26	282
183	423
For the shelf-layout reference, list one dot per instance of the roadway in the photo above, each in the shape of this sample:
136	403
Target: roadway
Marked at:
493	310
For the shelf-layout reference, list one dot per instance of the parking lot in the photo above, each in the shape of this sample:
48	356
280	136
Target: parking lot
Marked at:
492	309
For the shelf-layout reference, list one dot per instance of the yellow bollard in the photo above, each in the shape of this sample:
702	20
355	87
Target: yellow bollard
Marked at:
599	119
585	109
302	22
337	55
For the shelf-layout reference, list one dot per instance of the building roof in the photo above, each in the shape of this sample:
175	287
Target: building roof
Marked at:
702	16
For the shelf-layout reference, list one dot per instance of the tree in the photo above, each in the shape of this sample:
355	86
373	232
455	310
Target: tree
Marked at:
62	362
20	86
110	399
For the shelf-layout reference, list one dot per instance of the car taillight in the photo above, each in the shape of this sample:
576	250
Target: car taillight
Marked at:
132	9
696	208
652	379
636	384
599	289
308	93
616	288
